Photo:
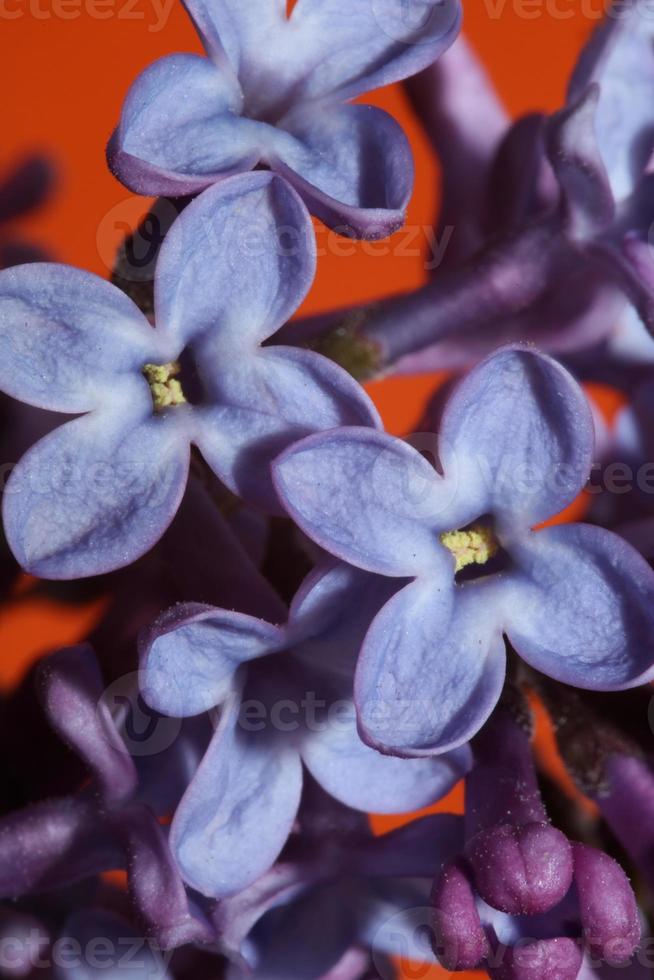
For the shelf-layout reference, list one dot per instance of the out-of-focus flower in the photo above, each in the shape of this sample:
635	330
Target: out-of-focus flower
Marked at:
101	828
273	91
515	448
101	490
22	190
285	710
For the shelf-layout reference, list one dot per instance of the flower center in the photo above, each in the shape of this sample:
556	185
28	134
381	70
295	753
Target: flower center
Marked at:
166	390
475	545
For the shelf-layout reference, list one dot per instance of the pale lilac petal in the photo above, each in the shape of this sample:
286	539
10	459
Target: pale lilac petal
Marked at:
238	811
265	403
71	689
235	265
580	607
353	166
620	57
235	30
98	492
181	130
522	466
365	779
348	47
431	669
190	654
66	335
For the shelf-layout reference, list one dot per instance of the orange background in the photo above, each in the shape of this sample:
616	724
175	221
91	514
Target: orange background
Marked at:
65	68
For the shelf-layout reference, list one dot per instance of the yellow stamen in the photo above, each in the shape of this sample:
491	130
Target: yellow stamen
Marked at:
166	390
474	546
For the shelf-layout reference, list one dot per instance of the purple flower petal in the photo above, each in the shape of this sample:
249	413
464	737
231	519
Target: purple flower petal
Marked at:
99	491
180	129
26	187
367	498
578	166
246	790
276	397
353	166
235	265
365	779
609	913
581	608
71	689
347	47
66	336
523	466
431	669
110	948
620	58
191	653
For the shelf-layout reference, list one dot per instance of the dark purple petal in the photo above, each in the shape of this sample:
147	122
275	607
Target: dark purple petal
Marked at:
98	492
431	669
155	885
239	808
181	130
521	870
460	941
26	187
71	690
190	655
255	236
521	466
353	166
544	959
110	948
579	607
367	498
278	396
365	779
577	163
24	941
609	913
52	844
66	336
464	119
417	850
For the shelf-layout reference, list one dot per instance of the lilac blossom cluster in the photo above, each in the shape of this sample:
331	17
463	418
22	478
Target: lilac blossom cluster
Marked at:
309	620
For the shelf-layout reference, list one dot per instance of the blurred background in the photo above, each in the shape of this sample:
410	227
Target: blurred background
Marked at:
65	68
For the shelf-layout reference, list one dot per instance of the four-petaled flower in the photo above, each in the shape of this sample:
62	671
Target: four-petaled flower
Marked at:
574	600
271	91
100	491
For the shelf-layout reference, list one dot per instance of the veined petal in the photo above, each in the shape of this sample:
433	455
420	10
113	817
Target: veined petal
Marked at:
347	47
523	466
365	779
236	30
238	811
431	669
181	129
191	653
353	166
234	266
266	402
620	57
580	607
96	493
367	498
66	336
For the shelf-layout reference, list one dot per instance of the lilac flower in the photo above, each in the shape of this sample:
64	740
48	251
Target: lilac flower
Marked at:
101	490
575	601
544	232
336	896
522	866
22	190
102	827
272	91
240	807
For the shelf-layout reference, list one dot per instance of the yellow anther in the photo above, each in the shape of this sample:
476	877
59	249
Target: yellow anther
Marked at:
166	390
474	546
